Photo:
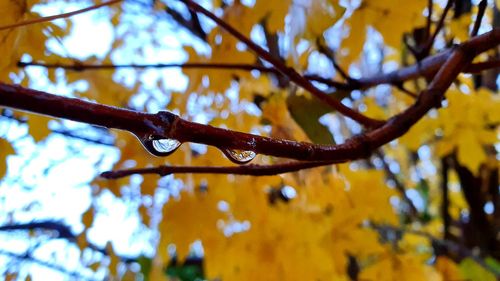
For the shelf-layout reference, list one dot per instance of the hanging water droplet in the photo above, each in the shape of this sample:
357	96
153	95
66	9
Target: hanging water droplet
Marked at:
239	156
166	145
160	146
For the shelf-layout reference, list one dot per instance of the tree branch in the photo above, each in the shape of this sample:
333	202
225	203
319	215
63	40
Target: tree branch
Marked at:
249	170
192	25
427	47
448	244
479	17
60	16
426	67
168	125
77	66
29	258
478	67
288	71
413	212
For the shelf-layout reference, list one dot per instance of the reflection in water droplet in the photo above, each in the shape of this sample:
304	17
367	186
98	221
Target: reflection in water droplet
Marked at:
159	146
166	145
239	156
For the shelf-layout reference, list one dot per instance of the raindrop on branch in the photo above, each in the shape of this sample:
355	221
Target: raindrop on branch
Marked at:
160	146
239	156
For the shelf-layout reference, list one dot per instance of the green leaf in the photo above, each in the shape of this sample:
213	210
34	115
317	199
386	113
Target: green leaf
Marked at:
190	270
146	265
493	264
306	111
472	271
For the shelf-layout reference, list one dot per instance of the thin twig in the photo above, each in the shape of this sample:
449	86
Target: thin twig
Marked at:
406	91
29	258
412	49
191	25
426	67
60	16
479	17
66	133
450	245
430	42
325	50
288	71
430	7
413	212
249	170
77	66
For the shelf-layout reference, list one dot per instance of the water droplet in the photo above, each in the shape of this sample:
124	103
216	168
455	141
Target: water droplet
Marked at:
239	156
160	146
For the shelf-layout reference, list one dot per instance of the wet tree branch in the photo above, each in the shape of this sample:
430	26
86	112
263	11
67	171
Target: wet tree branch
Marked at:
168	125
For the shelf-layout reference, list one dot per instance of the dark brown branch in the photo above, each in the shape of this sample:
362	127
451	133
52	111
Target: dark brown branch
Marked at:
249	170
192	25
288	71
482	66
479	17
168	125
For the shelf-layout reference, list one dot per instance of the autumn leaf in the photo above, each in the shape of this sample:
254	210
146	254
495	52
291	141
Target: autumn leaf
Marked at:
6	149
349	221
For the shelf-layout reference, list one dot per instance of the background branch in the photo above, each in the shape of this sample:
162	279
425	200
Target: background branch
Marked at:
288	71
250	170
60	16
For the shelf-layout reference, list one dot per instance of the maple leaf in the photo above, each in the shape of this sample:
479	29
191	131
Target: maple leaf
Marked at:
6	149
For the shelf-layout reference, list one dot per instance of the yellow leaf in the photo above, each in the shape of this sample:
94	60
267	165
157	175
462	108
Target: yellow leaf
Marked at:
448	269
191	217
460	27
472	271
470	152
274	12
382	15
6	149
38	126
321	15
114	260
88	218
